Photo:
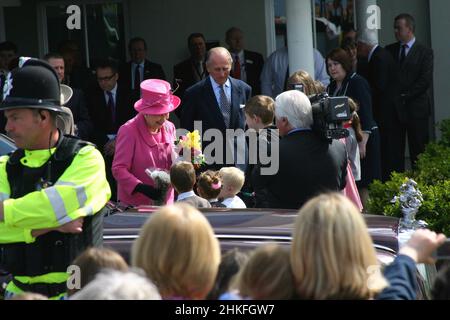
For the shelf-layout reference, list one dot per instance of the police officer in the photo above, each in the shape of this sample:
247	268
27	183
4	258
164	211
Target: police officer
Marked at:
53	188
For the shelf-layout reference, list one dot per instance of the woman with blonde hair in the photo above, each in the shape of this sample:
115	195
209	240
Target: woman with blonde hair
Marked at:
333	256
178	251
332	251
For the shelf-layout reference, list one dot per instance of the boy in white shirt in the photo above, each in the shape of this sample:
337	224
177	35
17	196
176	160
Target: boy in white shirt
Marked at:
232	182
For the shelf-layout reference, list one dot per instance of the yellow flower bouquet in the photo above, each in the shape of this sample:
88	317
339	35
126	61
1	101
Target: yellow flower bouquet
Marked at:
190	142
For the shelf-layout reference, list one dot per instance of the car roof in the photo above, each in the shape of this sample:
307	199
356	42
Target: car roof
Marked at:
247	225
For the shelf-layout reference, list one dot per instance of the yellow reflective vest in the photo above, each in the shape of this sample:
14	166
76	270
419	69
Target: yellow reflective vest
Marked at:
82	190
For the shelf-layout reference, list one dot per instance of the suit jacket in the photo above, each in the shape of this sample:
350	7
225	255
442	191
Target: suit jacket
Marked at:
200	104
137	150
101	115
415	77
77	104
196	202
254	63
308	166
80	78
381	75
186	71
151	71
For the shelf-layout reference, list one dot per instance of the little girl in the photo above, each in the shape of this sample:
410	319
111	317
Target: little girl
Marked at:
209	185
351	142
353	166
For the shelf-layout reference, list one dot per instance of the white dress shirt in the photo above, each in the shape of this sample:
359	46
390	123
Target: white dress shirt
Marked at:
273	76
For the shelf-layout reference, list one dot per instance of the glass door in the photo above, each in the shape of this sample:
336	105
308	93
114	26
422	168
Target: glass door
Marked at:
101	32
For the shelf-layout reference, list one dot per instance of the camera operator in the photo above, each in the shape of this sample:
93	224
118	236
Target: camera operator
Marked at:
308	164
301	80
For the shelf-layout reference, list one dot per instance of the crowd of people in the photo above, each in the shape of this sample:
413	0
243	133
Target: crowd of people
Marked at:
177	257
54	187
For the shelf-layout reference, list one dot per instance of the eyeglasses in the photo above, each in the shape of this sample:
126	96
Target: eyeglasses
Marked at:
106	78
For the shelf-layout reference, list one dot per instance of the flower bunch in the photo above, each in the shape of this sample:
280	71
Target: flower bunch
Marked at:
189	148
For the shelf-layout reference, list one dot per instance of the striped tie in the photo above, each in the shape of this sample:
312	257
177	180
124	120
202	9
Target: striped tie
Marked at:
225	107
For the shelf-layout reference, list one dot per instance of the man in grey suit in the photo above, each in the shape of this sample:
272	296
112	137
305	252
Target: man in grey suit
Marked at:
413	101
216	101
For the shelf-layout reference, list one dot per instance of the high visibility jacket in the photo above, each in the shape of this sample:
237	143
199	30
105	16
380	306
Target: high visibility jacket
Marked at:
80	191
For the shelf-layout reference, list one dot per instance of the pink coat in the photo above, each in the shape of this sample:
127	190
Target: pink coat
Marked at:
136	150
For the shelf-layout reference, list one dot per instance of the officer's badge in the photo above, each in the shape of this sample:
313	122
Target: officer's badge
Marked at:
7	86
22	61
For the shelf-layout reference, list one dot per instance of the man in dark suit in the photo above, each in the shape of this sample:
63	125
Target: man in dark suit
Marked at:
216	102
247	65
108	115
77	104
308	164
110	106
381	75
413	102
193	69
139	68
76	74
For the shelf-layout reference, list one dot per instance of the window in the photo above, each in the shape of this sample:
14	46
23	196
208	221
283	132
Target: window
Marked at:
101	35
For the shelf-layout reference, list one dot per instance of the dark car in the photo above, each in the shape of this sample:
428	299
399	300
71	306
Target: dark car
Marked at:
242	228
6	145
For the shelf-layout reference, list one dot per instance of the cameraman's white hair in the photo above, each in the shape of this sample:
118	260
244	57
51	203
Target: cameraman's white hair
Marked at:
368	36
117	285
295	106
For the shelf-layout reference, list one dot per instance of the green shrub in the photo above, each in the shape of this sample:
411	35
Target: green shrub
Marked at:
444	127
433	180
433	165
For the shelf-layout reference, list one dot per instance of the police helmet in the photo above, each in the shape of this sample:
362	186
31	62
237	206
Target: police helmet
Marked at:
33	84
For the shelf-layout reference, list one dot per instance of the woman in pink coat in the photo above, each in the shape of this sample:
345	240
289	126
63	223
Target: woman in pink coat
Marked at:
146	141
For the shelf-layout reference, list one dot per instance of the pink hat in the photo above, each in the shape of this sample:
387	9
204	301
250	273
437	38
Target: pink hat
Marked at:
156	98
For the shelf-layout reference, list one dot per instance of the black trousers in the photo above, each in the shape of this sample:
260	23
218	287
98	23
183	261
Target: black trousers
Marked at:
393	141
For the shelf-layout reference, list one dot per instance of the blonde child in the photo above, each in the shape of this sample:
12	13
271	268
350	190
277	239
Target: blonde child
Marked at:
232	180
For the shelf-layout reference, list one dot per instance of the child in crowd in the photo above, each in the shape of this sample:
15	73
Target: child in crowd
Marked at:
233	180
259	116
267	275
92	261
182	177
231	262
351	142
209	185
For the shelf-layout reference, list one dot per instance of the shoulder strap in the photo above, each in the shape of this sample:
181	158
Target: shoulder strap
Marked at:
15	157
68	147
